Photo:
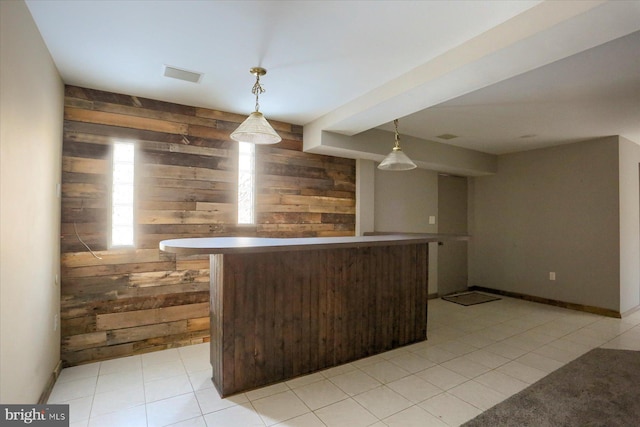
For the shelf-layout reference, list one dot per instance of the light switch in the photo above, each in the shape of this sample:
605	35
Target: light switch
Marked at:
432	219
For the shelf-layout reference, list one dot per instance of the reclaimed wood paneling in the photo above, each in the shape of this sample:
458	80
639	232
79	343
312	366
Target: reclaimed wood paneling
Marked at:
278	315
132	301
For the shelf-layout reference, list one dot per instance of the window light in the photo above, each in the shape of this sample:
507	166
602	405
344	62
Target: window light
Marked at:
246	183
122	188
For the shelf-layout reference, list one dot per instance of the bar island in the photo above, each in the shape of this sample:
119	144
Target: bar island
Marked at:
281	308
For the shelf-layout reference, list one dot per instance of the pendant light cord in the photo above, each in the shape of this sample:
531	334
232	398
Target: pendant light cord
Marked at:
395	123
257	90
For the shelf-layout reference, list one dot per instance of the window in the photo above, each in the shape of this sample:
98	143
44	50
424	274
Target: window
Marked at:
246	183
122	194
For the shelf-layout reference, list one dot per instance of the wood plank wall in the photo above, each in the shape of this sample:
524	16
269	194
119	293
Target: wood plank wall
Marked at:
135	300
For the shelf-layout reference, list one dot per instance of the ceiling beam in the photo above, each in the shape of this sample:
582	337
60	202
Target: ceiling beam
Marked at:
546	33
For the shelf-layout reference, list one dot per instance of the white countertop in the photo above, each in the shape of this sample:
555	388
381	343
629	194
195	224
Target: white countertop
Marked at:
231	245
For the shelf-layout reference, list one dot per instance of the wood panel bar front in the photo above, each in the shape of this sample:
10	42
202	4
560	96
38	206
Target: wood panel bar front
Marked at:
279	315
281	308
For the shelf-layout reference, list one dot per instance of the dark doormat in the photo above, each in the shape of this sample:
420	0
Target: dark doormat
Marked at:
470	298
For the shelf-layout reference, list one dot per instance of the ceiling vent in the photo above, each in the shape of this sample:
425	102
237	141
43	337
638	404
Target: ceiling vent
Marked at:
447	136
177	73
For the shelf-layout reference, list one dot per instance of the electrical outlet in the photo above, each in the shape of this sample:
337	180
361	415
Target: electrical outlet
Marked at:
432	219
552	275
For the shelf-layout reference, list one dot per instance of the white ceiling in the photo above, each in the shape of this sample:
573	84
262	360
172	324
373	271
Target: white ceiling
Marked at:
590	94
487	71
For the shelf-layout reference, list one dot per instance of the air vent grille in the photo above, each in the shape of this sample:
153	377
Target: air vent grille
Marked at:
447	136
177	73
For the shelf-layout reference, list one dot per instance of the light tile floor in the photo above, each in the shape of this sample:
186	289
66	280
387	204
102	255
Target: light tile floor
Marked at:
474	358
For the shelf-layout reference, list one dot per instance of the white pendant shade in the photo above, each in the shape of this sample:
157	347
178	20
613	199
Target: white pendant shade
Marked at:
256	130
397	161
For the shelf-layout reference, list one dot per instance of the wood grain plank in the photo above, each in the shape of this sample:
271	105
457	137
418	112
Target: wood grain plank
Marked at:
261	343
248	308
198	324
228	324
156	292
216	319
178	172
122	120
316	200
148	317
113	256
140	333
220	115
191	263
277	280
183	217
151	113
84	341
303	322
115	269
266	267
171	277
84	165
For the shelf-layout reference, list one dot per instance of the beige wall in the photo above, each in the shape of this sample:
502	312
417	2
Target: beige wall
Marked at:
30	146
452	219
400	201
554	209
403	201
629	155
365	196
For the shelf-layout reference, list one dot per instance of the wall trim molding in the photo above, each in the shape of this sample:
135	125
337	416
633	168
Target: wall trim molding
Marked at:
50	383
572	306
631	311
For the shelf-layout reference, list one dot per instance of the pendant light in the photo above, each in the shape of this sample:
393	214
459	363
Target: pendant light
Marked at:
397	160
256	129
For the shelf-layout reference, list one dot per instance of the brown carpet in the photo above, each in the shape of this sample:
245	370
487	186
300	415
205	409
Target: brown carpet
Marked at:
600	388
470	298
